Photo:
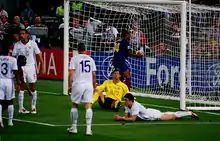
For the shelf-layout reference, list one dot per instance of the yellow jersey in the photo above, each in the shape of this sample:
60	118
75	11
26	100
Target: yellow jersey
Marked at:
114	91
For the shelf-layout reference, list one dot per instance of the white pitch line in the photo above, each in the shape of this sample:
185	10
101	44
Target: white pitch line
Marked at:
153	105
121	123
52	93
33	122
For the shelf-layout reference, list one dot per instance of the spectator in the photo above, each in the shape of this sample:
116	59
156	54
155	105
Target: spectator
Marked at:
16	34
17	22
3	12
138	39
77	7
39	32
175	31
28	14
60	11
4	26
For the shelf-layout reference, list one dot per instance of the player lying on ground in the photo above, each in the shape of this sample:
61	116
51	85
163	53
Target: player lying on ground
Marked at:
121	52
82	81
29	49
135	111
8	67
115	90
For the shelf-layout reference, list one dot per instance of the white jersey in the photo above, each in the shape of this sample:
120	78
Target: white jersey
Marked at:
29	50
7	65
84	66
142	112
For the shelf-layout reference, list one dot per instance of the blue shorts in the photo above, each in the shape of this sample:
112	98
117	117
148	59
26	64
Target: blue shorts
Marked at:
122	68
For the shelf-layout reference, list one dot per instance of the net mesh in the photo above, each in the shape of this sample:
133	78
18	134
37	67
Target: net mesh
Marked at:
155	31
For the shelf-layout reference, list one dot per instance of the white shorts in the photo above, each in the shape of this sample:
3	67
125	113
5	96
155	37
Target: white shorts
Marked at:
29	73
7	90
152	114
82	93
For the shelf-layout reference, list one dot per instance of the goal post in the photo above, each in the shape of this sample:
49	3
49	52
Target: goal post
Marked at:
159	28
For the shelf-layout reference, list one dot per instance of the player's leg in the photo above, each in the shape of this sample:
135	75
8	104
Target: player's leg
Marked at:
32	79
126	75
2	98
87	99
1	121
74	118
10	112
22	73
33	91
177	115
76	96
10	95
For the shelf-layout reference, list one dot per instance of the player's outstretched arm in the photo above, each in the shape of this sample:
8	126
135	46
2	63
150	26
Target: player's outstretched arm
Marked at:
125	117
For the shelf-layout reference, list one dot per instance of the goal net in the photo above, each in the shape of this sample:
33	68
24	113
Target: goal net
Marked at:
156	31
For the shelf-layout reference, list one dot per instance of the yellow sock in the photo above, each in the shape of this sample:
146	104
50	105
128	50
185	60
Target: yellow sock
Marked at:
95	97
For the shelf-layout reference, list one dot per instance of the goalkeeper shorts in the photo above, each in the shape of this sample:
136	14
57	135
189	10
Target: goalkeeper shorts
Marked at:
110	104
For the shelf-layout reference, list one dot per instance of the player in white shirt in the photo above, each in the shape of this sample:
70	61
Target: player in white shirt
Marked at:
30	50
8	69
82	81
135	111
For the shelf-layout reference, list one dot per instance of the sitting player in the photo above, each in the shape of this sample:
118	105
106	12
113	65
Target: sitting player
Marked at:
115	90
135	111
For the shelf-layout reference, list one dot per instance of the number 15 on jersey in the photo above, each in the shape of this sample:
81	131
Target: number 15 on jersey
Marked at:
85	66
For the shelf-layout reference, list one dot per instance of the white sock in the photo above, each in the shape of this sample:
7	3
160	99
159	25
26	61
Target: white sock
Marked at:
89	114
21	99
11	112
180	114
34	100
74	117
0	113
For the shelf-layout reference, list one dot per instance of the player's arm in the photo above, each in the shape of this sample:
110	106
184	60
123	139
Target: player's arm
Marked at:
71	74
39	57
94	74
102	87
120	118
133	117
16	73
14	51
131	54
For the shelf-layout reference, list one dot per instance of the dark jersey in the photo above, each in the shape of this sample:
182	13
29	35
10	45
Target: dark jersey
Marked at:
121	52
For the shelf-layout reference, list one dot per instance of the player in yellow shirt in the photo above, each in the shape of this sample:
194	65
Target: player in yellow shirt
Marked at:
115	91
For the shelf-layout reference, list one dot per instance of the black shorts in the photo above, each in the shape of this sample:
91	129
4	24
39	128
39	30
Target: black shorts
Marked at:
5	104
109	104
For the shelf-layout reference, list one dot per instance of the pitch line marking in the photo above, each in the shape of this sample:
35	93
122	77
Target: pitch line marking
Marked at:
33	122
153	105
120	123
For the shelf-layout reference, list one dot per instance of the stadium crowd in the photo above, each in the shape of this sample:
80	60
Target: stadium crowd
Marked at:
100	29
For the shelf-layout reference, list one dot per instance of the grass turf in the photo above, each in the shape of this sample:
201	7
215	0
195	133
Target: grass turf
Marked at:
54	110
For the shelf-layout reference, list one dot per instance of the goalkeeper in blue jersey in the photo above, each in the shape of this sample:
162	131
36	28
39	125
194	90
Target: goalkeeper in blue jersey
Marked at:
122	51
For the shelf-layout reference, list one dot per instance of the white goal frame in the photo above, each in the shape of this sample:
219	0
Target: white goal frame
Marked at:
183	39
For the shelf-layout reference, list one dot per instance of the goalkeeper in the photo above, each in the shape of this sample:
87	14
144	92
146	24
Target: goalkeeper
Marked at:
121	52
115	91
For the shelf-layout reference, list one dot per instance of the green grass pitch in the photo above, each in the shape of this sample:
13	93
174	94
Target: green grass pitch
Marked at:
53	119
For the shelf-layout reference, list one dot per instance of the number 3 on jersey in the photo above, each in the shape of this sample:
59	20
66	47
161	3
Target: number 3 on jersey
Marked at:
4	69
85	65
